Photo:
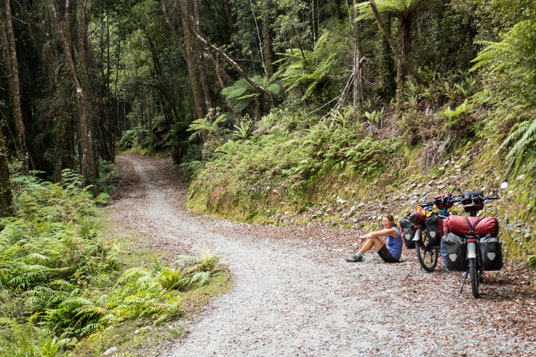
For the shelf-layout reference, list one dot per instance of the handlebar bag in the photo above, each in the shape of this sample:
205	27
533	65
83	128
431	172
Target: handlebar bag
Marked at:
434	228
491	253
454	248
443	201
408	232
471	225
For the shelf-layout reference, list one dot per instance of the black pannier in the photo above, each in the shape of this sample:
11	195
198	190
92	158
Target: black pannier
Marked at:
408	232
434	228
454	250
491	253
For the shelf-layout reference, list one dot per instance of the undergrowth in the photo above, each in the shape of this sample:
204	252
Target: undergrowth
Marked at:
294	162
60	283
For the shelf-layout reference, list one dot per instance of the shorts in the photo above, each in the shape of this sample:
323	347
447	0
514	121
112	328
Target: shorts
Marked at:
385	254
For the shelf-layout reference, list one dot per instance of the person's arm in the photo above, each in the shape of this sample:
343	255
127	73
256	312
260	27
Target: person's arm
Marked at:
382	233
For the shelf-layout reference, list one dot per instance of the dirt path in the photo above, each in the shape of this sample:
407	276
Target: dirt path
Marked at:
295	296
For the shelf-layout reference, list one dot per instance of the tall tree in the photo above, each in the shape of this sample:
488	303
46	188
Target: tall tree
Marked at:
187	49
267	36
358	82
7	36
201	55
88	163
6	208
405	11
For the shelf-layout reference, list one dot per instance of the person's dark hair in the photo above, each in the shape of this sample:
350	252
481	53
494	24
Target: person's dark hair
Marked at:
390	218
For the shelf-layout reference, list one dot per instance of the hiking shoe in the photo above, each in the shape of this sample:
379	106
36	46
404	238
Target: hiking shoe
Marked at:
352	258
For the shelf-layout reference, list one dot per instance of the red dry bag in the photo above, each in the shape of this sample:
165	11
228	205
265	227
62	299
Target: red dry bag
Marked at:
471	225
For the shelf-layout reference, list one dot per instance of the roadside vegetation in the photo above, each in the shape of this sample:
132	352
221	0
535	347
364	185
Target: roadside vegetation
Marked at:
68	285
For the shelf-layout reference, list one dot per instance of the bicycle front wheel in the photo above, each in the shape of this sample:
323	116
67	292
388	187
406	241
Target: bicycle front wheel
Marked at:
473	272
426	253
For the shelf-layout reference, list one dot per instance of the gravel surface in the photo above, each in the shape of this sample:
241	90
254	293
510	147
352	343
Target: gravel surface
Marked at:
294	295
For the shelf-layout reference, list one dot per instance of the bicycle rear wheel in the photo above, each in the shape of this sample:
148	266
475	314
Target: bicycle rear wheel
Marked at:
473	272
426	253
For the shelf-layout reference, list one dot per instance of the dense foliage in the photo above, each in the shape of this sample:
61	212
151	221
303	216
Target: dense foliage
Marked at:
60	283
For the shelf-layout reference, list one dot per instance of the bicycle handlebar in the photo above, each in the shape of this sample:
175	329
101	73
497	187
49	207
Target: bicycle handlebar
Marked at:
461	197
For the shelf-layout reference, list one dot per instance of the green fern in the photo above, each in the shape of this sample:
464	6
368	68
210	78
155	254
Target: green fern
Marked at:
241	93
243	129
307	70
523	151
513	57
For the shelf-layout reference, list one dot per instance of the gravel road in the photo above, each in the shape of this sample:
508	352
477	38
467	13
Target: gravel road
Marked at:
294	295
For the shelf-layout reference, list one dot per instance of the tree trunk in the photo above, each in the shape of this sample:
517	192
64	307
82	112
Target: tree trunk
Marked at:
261	49
358	81
64	147
10	54
403	45
188	54
228	15
6	206
201	55
87	161
387	65
85	121
403	60
267	37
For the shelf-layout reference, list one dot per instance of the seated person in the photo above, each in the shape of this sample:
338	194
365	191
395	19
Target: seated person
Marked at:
390	252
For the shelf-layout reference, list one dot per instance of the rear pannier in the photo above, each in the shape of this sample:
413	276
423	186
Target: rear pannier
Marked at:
434	227
491	253
408	231
454	249
471	225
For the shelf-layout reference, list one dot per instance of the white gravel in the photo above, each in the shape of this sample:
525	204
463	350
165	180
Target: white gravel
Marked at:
292	297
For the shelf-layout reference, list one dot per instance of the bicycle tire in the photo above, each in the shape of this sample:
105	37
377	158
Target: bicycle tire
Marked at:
427	255
473	272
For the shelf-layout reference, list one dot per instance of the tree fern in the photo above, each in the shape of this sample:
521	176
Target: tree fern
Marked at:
241	93
308	69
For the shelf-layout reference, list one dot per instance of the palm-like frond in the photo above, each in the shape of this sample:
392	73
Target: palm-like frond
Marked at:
307	69
396	8
241	93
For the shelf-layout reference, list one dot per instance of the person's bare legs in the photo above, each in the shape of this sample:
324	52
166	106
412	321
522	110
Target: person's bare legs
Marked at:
375	242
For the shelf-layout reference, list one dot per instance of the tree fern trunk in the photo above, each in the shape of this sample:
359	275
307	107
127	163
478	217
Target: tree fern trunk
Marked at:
267	37
387	65
403	45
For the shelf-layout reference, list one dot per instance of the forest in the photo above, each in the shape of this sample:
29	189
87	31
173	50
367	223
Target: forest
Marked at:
274	111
